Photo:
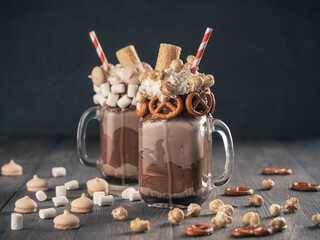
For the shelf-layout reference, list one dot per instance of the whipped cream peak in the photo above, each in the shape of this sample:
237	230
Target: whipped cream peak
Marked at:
115	74
171	82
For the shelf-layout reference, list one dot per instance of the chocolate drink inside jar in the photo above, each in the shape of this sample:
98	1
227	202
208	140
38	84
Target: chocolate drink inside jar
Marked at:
175	160
119	145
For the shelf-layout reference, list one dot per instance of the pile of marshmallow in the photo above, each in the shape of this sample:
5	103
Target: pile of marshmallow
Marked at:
117	87
97	189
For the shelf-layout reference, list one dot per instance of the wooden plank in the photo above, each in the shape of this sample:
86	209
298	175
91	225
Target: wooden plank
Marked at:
307	153
25	152
251	158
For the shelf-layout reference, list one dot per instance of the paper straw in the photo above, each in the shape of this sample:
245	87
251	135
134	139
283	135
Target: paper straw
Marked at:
201	49
99	50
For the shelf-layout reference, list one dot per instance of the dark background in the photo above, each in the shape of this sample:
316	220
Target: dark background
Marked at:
264	56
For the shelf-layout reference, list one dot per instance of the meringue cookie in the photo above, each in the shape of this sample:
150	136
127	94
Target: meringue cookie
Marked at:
11	169
131	74
146	66
25	205
66	221
97	185
97	76
82	204
36	184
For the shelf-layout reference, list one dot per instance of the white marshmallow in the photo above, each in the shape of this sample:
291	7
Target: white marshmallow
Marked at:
72	185
47	213
134	102
105	89
132	90
118	88
96	89
112	100
61	191
95	98
134	196
101	100
16	221
125	193
59	172
105	200
124	101
60	201
41	196
97	195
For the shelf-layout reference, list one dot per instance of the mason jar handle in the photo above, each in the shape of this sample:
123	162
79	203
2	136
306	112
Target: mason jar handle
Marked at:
220	127
87	116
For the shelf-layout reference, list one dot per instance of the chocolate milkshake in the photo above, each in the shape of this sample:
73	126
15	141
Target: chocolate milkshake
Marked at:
175	144
115	90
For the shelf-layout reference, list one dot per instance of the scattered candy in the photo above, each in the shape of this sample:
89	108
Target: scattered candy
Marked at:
96	196
41	196
47	213
61	191
60	201
125	193
105	200
72	185
134	196
59	172
16	221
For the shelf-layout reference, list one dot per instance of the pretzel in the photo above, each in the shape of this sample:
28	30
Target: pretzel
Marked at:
277	171
251	231
213	103
199	230
174	110
143	109
303	186
191	106
239	191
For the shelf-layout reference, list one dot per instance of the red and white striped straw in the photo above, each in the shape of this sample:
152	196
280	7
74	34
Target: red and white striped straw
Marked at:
201	49
99	50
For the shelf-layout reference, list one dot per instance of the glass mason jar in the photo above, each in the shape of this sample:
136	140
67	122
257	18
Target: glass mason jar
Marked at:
175	163
118	162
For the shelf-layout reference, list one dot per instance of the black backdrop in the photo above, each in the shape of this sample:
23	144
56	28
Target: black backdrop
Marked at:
263	54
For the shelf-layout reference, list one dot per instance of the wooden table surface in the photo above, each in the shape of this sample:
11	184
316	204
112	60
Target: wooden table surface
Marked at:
38	156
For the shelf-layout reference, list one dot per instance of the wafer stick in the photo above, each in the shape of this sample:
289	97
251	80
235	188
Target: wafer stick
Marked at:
167	53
